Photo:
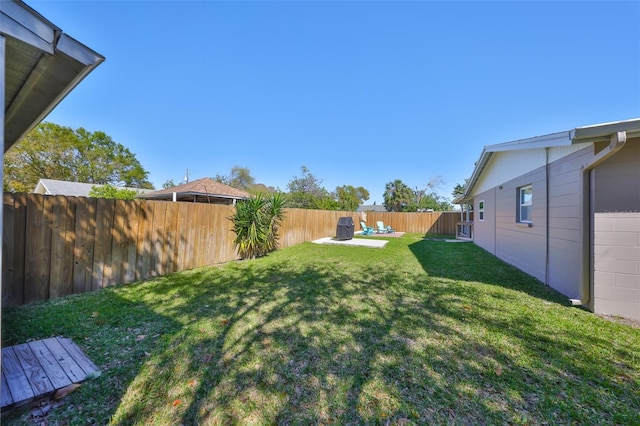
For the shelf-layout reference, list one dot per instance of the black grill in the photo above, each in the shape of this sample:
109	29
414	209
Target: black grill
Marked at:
344	230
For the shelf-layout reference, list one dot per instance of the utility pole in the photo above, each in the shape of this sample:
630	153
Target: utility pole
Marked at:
186	178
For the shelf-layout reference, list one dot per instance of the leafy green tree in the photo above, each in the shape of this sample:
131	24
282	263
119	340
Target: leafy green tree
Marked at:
433	201
169	183
110	191
349	197
459	189
397	196
51	151
306	191
241	178
256	223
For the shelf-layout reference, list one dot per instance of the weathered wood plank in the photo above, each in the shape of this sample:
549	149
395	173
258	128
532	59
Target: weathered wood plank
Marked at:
33	371
7	242
16	283
5	394
78	356
157	238
170	241
65	361
132	213
16	379
183	235
102	249
144	241
62	238
50	365
37	249
84	244
119	242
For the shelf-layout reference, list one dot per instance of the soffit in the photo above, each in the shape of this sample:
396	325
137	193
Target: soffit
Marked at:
42	65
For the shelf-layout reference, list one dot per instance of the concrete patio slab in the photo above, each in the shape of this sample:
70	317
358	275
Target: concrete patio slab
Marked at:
353	242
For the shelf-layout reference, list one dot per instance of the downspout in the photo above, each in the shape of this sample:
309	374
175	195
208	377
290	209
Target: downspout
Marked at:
618	140
546	183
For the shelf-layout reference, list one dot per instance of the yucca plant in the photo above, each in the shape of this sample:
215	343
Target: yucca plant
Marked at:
256	223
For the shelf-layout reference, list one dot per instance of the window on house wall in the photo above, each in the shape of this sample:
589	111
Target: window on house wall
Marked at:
525	203
481	210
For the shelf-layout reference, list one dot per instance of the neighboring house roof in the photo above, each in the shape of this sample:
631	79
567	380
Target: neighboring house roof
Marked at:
372	208
73	189
564	142
198	190
41	66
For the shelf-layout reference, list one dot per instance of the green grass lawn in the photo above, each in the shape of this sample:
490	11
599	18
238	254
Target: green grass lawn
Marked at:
418	332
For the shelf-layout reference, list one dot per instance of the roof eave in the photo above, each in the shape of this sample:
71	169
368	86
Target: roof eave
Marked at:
586	134
62	65
169	196
603	132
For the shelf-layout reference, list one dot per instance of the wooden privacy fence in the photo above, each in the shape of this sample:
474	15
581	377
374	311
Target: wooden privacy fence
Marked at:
56	245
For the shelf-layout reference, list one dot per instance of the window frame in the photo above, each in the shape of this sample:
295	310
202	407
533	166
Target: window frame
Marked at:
481	210
524	203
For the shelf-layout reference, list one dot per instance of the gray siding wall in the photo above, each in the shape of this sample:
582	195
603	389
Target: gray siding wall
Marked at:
484	231
518	244
616	252
565	251
526	247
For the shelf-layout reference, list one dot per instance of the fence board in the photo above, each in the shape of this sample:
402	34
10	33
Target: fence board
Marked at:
132	223
62	237
13	266
182	231
144	241
102	251
171	216
119	243
157	238
84	244
38	238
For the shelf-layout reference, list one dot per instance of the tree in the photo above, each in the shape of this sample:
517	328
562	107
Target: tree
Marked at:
349	198
397	196
51	151
306	192
256	223
110	191
459	189
169	183
241	178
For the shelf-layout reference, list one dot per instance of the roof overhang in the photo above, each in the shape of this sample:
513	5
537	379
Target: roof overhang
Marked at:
190	195
42	65
586	134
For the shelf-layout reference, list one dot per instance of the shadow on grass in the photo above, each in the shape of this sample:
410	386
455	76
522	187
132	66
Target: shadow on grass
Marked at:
328	334
115	333
326	341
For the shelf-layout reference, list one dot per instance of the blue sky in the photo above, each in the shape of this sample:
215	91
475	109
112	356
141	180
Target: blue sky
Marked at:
360	92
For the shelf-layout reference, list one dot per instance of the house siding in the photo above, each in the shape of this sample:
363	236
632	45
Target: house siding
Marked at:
526	247
518	244
616	234
485	235
565	252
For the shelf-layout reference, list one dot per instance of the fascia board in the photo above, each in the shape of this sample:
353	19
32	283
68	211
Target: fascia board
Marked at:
23	23
545	141
603	132
78	51
187	194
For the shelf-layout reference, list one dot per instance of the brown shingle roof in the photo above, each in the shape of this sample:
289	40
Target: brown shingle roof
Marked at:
202	187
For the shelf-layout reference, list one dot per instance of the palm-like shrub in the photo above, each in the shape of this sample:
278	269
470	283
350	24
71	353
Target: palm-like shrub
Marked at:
256	224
